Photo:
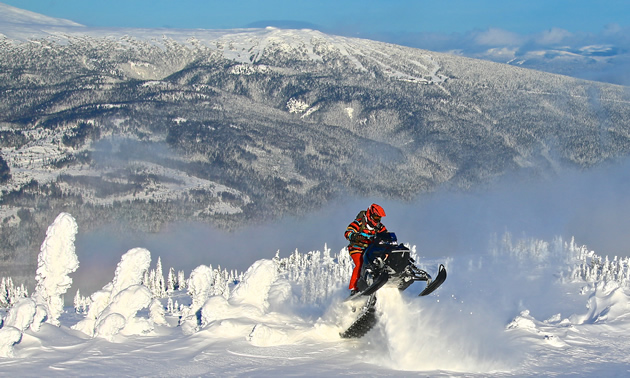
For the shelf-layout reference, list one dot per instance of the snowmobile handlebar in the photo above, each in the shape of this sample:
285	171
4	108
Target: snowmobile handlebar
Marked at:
385	238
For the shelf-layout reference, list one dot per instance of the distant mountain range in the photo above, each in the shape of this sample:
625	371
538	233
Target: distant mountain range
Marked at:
145	127
603	62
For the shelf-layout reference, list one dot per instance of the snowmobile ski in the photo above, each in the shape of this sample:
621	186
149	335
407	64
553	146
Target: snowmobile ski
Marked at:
439	280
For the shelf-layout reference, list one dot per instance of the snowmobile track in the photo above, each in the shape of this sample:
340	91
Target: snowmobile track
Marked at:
364	323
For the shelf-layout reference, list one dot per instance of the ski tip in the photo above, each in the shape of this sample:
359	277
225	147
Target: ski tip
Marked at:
437	281
441	269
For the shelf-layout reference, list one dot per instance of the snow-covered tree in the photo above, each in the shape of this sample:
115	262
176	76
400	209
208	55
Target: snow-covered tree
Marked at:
81	303
199	288
220	283
317	274
113	308
4	294
592	268
171	280
159	288
170	306
147	280
56	260
18	293
9	336
21	315
254	289
156	312
9	293
120	315
181	280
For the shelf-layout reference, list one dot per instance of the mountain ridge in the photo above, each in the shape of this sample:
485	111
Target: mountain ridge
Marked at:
234	127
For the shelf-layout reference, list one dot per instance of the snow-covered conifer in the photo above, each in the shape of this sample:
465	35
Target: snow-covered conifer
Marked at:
234	277
219	284
4	294
81	303
254	289
317	274
131	269
21	315
171	280
124	296
199	287
18	293
146	279
56	260
156	312
9	336
159	288
276	259
181	280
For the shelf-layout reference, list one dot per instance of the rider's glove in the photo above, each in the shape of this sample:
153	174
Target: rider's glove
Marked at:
355	237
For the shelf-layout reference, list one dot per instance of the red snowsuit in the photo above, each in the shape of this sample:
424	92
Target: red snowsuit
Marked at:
356	249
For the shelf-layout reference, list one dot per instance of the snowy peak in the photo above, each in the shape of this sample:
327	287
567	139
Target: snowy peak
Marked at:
311	50
13	15
250	46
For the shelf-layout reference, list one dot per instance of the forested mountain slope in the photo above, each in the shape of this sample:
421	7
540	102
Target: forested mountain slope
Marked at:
143	127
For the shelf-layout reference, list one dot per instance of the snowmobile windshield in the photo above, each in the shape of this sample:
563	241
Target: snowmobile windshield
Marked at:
386	238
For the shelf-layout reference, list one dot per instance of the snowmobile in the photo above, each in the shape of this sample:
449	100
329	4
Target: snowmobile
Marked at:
386	262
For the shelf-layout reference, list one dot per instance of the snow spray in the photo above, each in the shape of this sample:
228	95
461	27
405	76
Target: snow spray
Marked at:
425	335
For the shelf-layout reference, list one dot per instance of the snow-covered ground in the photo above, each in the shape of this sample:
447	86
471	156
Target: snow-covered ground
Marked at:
524	307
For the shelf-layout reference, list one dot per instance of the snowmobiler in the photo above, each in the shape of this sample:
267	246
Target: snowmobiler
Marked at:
386	262
360	233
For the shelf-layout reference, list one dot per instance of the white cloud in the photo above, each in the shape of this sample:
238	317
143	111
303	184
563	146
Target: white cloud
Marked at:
612	29
553	36
497	37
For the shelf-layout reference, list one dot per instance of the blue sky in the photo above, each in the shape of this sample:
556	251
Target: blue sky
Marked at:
359	16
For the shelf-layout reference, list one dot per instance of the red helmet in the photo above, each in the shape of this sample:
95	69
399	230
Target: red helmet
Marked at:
374	214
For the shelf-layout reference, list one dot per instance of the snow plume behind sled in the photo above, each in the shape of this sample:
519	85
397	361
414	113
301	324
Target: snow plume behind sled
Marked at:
414	334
